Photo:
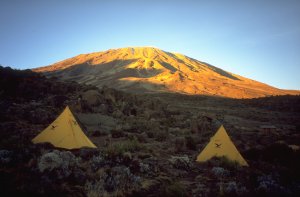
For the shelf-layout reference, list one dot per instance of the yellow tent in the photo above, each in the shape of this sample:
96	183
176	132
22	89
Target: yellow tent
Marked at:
64	132
221	145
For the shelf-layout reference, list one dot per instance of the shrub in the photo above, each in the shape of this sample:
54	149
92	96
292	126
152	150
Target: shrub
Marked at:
161	135
119	180
85	107
120	177
281	154
150	134
118	149
190	142
268	184
219	172
116	133
98	133
201	125
174	189
87	153
96	188
233	189
97	162
131	145
228	164
179	144
276	154
180	162
50	161
61	163
223	162
144	168
141	137
5	156
114	150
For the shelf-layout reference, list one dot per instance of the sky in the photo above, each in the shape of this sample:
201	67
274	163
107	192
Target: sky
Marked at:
255	39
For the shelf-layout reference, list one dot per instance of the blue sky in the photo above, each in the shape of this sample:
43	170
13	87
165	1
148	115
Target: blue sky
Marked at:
256	39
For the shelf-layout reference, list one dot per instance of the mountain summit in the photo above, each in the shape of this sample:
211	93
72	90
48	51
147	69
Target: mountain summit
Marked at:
148	69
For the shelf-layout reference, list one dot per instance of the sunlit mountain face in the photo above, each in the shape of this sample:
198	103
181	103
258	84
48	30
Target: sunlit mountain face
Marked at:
150	70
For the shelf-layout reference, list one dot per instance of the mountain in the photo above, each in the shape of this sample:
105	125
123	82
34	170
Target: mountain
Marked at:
148	69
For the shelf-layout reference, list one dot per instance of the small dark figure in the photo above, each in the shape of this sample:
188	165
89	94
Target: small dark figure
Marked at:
218	145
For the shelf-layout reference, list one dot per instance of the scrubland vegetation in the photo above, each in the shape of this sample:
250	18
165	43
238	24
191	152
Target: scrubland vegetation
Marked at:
147	144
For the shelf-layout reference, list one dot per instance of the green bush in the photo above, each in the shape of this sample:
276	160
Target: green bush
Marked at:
118	149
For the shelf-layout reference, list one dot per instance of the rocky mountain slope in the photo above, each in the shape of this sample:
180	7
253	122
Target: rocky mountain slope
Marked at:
147	69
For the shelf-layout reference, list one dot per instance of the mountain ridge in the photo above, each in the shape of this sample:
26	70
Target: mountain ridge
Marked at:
149	69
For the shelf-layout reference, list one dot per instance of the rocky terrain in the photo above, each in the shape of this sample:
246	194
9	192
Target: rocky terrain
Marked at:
147	143
151	70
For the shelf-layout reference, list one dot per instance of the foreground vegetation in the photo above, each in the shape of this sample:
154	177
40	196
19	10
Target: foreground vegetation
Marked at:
147	144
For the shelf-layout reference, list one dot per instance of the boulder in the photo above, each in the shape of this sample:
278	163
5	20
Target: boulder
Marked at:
92	97
180	162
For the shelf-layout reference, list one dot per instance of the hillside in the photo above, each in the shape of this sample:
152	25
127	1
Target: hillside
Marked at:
147	69
147	144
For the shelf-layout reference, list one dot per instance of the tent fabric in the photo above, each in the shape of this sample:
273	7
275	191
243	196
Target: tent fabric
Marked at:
221	145
64	132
